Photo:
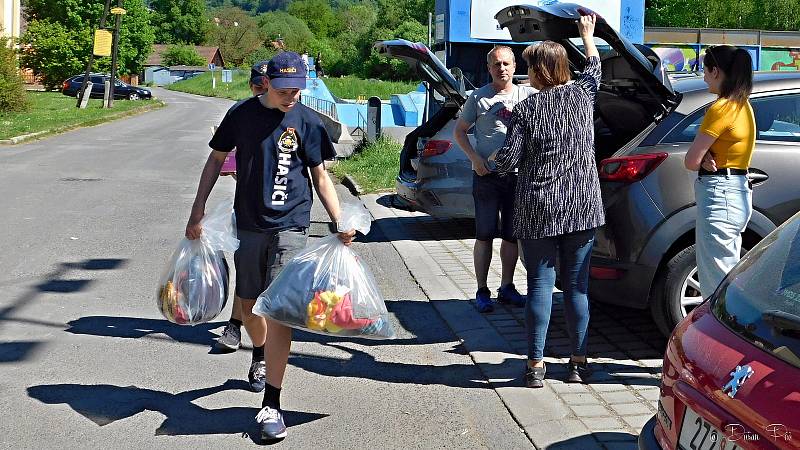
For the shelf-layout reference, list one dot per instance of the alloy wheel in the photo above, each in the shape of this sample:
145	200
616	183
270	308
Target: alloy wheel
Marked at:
690	292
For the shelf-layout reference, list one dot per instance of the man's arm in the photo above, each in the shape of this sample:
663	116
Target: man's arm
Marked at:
207	180
327	194
460	135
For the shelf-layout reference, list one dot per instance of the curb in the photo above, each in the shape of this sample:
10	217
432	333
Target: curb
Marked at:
110	118
352	185
489	350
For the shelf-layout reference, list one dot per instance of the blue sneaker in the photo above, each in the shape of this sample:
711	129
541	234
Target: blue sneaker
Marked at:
483	300
271	423
508	294
257	376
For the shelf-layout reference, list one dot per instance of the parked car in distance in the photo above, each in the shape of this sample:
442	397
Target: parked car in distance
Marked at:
72	85
732	366
644	124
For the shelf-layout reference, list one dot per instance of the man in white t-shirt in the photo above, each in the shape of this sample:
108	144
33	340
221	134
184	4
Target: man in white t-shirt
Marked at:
489	110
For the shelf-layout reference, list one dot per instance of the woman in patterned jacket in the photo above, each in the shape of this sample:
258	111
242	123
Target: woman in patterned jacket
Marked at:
558	205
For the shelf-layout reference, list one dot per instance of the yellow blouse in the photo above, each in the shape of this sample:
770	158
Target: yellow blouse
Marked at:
734	127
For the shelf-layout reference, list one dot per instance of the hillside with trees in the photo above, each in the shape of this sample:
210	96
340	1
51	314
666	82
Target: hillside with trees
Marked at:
59	34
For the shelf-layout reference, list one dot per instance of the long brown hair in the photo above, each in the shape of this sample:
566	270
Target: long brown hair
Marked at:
549	63
737	65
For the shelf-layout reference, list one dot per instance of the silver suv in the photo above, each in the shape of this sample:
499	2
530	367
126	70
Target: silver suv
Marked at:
644	123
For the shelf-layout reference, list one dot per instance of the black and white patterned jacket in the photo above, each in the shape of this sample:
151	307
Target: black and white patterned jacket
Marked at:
551	141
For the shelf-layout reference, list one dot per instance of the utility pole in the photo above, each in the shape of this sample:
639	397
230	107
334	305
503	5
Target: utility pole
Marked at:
118	12
91	56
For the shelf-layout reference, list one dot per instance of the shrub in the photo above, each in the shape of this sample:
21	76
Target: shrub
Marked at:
182	55
12	89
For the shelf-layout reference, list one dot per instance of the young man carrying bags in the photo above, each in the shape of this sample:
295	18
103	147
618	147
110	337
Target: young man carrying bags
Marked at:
280	148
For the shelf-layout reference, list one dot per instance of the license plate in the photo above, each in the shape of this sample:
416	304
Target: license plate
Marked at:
698	434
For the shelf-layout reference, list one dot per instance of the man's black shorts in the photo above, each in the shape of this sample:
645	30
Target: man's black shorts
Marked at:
261	256
494	206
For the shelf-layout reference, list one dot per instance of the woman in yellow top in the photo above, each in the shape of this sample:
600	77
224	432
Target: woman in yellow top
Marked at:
721	154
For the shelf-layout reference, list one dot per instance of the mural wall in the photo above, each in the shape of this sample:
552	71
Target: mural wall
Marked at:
689	58
678	58
780	58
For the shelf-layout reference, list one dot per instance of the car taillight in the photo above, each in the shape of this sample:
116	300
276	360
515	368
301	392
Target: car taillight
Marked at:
605	273
630	168
65	85
436	148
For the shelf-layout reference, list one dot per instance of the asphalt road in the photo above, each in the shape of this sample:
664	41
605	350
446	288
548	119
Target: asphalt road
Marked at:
89	220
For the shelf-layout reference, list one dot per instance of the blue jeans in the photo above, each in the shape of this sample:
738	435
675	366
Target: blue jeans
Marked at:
573	251
724	206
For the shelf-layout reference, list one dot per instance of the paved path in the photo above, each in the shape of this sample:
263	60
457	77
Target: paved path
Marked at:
624	345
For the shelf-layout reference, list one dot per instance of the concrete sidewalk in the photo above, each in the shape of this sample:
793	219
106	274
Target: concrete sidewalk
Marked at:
625	348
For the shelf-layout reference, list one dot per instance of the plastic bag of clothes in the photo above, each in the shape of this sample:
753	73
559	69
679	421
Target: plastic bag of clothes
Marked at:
194	286
328	289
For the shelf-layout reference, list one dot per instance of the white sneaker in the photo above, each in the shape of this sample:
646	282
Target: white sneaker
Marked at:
272	426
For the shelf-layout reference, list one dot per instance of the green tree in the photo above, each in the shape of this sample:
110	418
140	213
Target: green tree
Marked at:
411	30
317	14
261	54
59	39
235	33
182	55
675	13
764	15
294	32
781	14
12	90
180	21
53	52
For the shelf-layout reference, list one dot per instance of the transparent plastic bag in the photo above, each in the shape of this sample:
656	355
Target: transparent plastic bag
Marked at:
327	289
194	286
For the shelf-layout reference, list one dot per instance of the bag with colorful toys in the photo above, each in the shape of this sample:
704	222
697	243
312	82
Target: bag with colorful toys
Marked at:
194	286
327	288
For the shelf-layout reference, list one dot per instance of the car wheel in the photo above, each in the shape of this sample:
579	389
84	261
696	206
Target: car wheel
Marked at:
677	291
133	96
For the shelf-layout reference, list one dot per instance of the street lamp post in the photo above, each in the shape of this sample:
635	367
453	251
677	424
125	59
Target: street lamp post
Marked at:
91	56
118	12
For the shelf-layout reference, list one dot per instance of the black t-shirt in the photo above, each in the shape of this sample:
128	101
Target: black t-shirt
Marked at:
273	153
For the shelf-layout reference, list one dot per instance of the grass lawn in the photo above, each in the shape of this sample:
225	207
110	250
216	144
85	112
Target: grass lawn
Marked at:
352	87
55	111
347	87
201	85
373	166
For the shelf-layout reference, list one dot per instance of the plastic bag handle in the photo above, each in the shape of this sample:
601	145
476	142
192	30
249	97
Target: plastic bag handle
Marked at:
219	228
354	217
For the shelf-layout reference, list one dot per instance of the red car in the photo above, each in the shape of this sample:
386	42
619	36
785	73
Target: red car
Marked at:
731	377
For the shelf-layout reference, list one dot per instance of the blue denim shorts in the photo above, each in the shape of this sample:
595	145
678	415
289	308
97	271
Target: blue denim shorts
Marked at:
494	206
261	256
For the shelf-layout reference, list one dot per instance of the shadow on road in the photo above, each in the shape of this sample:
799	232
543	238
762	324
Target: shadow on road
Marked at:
104	404
16	351
135	328
611	439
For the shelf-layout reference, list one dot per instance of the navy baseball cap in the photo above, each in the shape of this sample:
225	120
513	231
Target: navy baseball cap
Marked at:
258	70
287	70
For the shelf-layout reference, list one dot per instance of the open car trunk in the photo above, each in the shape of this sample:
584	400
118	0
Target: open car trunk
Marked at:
431	70
635	93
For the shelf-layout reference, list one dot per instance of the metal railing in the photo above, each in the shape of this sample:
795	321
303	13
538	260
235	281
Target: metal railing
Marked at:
361	126
320	105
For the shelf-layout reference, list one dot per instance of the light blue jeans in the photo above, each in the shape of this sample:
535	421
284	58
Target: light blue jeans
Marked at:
724	206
